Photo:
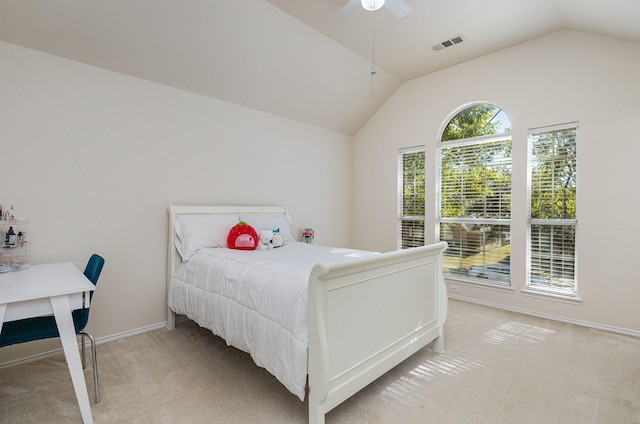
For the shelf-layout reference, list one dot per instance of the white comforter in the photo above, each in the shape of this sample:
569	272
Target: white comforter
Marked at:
256	300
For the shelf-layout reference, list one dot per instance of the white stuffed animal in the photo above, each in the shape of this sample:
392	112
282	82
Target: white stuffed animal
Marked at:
265	237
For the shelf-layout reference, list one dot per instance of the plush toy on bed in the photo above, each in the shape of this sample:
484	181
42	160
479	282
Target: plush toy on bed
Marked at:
242	236
278	238
265	236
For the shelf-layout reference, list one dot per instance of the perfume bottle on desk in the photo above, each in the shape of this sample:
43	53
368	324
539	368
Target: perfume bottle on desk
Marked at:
11	237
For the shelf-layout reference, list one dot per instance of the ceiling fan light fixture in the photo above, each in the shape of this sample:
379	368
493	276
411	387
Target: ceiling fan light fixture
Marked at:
372	5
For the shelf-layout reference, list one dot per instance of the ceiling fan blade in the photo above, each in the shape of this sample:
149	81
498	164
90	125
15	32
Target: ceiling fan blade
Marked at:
398	8
346	10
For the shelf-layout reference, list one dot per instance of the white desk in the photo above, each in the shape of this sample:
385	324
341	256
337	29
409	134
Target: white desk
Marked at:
50	289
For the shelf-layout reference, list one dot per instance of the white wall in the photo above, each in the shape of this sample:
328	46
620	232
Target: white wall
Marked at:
94	158
567	76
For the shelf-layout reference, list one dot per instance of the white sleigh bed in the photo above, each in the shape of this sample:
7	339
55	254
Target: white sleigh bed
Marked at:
365	313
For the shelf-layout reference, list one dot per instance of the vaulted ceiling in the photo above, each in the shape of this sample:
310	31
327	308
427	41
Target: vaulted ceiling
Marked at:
404	46
287	57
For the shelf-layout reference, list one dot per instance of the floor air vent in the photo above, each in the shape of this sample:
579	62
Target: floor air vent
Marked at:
448	43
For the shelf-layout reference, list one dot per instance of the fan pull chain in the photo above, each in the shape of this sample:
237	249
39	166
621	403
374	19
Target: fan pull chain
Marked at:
373	49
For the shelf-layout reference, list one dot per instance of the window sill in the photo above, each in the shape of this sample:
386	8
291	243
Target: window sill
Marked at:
479	284
574	300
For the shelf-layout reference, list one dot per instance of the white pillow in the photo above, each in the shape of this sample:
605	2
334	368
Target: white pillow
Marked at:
195	232
261	223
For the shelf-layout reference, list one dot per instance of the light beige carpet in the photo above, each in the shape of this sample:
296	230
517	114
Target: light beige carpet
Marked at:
499	367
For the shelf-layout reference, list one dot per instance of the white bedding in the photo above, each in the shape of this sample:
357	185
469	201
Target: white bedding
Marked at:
256	300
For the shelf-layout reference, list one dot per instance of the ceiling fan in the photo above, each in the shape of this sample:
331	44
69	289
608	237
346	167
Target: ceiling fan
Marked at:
398	8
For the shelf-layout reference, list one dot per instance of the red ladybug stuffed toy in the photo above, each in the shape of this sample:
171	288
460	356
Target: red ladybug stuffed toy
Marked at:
242	236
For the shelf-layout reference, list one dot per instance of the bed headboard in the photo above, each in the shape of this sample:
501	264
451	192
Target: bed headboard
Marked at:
173	256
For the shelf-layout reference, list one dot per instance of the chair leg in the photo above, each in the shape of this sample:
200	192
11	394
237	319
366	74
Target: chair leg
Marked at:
94	360
83	356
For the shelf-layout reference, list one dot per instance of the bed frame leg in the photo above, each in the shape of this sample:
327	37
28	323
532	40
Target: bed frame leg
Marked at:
316	416
171	319
438	344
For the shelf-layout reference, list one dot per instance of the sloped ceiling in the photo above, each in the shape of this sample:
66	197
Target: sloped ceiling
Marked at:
404	46
287	57
246	52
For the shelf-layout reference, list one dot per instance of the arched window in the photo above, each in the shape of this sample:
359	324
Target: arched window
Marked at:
474	194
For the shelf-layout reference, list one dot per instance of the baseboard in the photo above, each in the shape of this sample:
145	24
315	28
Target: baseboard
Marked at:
106	339
617	330
130	333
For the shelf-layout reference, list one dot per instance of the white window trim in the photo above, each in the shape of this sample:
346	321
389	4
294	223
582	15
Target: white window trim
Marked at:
573	297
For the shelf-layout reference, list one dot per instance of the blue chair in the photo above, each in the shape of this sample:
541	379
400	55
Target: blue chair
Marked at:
38	328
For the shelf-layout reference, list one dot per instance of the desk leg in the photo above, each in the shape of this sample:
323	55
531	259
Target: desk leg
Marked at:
64	321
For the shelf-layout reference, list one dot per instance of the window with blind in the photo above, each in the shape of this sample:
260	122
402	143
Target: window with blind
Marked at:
474	202
551	261
411	197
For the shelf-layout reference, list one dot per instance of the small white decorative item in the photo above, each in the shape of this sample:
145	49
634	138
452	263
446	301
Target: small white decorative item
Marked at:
307	235
265	237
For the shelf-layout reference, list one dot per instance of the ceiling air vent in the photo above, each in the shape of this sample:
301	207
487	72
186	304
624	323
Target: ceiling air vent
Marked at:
447	43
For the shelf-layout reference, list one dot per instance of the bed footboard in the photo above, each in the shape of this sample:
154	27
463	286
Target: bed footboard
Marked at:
368	315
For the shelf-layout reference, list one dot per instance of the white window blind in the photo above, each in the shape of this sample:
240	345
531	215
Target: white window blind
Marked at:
552	209
475	207
411	203
476	180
